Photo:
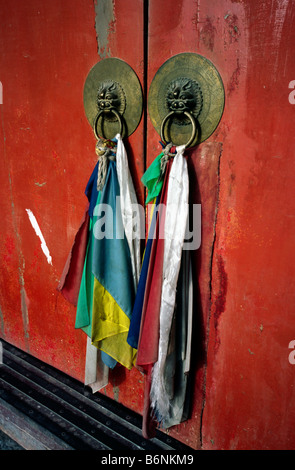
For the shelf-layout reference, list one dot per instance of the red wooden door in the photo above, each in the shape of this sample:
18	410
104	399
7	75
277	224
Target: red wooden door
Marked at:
243	176
47	156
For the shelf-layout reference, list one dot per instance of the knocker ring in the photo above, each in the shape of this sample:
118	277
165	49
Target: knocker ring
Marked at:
103	111
193	123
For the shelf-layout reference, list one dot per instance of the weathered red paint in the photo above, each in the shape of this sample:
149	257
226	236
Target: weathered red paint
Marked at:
220	301
125	40
243	176
48	153
249	395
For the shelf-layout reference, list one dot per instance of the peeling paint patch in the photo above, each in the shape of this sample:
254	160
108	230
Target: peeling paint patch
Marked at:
104	23
24	309
220	300
278	23
40	184
233	30
234	80
207	33
221	296
36	227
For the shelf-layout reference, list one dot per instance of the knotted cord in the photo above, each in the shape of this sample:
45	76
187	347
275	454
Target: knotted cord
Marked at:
105	154
166	155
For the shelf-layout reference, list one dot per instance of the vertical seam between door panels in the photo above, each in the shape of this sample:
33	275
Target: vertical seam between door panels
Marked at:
145	74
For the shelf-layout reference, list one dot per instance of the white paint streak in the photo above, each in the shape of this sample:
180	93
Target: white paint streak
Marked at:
278	24
39	234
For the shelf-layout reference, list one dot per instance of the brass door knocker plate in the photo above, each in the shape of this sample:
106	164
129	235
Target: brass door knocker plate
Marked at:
186	99
113	98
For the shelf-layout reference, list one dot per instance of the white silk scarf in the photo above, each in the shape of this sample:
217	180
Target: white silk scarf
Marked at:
129	209
96	372
174	233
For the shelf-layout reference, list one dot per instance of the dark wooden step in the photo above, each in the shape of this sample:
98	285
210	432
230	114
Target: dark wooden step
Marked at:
43	408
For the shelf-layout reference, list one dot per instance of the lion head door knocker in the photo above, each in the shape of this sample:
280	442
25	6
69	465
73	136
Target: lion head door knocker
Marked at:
113	99
184	94
111	104
186	99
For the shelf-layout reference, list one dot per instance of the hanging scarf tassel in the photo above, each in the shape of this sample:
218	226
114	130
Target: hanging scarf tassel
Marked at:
154	176
129	210
96	371
115	262
174	233
164	159
105	154
110	182
177	364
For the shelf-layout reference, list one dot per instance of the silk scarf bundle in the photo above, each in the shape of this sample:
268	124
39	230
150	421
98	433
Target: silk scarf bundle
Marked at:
102	271
174	233
164	336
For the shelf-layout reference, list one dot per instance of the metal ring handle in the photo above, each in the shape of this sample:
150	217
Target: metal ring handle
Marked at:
193	123
103	111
